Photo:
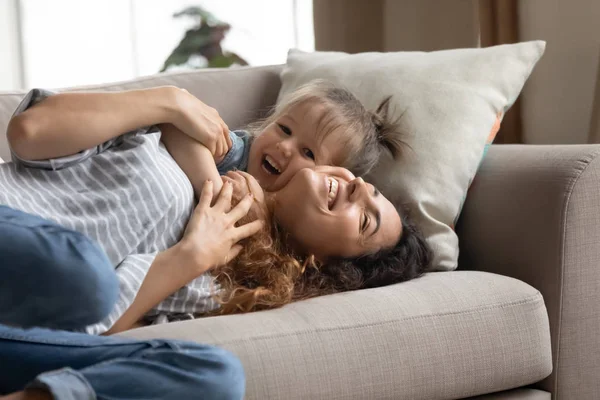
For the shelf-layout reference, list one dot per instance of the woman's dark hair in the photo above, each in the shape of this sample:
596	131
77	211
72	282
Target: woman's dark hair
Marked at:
268	274
406	260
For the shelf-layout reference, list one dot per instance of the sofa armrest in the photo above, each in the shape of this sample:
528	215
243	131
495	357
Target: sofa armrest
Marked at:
533	213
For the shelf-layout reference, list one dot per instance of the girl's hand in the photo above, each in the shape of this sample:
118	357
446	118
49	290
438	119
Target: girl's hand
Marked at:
202	123
211	237
244	184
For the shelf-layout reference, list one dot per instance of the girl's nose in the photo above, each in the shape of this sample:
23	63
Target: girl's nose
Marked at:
284	149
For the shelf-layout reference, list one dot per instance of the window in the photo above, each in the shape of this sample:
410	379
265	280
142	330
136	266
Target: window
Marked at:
73	42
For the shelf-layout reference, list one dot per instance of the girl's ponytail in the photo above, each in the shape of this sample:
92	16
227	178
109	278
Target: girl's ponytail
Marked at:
386	130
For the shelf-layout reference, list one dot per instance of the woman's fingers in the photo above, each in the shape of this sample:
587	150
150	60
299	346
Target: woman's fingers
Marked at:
223	203
233	252
247	230
206	196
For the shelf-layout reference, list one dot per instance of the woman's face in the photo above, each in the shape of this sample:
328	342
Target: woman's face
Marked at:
330	213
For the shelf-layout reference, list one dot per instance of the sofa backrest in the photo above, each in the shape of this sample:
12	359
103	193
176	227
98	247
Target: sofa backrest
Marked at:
239	94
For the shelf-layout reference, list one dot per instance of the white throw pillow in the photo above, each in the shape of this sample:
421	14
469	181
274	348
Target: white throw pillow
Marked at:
449	105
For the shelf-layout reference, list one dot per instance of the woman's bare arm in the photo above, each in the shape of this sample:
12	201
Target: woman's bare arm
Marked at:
68	123
155	288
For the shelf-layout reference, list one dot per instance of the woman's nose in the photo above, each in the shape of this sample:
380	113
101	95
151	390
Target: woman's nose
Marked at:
357	188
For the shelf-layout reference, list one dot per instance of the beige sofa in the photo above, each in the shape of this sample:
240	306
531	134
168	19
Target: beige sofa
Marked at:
519	319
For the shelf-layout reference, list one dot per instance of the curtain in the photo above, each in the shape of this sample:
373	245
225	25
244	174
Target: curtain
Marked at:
353	26
499	24
403	25
595	121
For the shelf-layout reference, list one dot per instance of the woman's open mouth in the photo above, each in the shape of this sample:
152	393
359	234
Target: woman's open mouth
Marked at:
271	166
333	191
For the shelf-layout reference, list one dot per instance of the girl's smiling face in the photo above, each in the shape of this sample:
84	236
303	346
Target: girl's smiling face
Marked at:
306	135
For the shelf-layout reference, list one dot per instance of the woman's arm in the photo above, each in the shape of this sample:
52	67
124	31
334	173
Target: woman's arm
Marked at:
154	288
211	239
196	161
68	123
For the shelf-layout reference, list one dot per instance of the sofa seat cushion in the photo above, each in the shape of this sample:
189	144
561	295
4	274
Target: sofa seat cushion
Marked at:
444	335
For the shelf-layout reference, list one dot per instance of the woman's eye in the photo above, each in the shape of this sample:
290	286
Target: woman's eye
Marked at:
308	153
363	226
285	129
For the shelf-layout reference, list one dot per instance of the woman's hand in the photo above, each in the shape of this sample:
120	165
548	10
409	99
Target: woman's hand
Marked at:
202	123
211	237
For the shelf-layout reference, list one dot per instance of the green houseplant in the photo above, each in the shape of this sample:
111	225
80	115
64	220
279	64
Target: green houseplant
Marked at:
203	40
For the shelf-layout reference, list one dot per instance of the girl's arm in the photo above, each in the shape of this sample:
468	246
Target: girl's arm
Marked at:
68	123
211	239
196	161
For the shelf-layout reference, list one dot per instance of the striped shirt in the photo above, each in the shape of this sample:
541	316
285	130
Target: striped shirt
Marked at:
129	195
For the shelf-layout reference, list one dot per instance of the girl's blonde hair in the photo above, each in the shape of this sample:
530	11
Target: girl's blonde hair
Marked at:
368	133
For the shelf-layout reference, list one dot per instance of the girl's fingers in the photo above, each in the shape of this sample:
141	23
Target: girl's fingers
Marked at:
227	137
241	209
224	147
206	196
247	230
223	203
219	148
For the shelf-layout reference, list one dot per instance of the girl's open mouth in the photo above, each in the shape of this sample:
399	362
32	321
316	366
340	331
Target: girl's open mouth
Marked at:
271	165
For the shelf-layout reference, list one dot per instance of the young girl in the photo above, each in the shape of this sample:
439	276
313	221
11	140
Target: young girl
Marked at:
125	192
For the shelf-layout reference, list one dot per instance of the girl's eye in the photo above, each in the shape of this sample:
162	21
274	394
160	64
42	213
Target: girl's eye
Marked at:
308	153
285	129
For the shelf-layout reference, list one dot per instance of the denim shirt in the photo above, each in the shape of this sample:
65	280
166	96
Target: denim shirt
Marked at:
237	156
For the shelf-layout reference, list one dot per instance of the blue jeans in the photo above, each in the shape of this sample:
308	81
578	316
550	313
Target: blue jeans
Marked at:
51	276
57	278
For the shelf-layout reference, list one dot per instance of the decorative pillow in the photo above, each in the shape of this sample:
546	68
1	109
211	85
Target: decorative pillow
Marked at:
449	105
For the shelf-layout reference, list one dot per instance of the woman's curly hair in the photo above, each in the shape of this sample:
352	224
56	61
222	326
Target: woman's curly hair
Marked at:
269	274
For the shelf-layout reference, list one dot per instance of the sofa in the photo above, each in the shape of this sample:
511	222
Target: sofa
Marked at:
519	319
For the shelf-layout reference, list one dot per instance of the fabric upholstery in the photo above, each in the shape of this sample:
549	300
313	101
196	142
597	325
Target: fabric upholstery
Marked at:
516	394
444	336
448	106
533	213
